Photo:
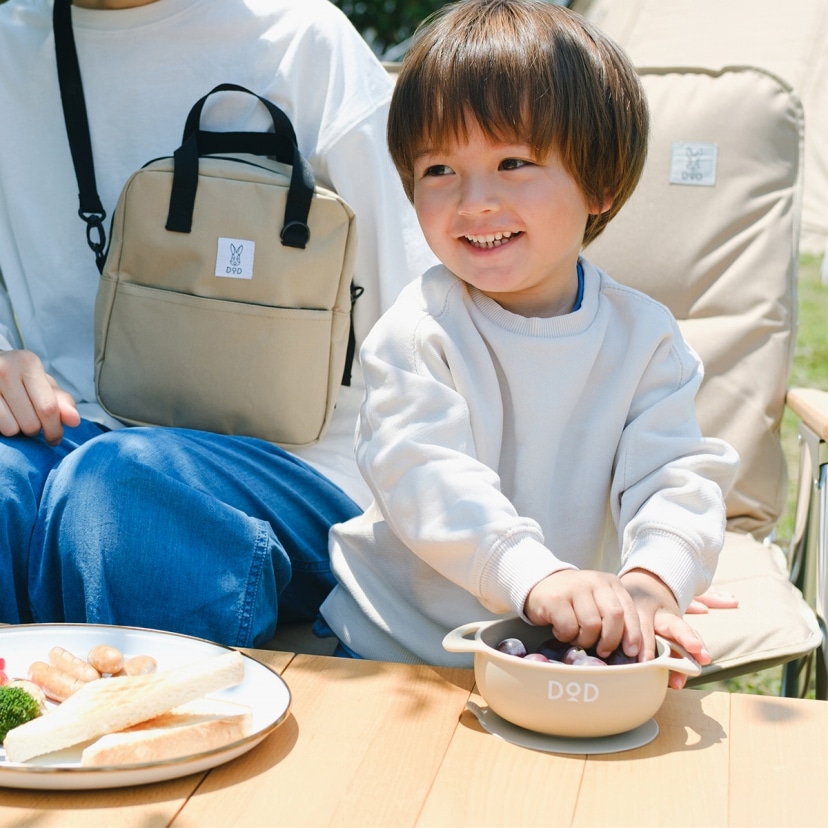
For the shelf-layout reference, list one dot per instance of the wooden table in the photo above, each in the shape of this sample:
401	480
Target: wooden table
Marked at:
375	744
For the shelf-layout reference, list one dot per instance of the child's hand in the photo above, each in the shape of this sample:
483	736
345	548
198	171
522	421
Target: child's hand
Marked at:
712	599
587	608
659	614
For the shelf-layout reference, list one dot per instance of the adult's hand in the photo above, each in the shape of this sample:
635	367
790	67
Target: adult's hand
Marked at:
30	399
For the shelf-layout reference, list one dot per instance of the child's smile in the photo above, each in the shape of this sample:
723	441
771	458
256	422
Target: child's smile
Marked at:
503	220
490	240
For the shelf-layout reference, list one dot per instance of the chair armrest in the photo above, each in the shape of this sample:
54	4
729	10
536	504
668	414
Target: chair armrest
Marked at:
811	406
808	553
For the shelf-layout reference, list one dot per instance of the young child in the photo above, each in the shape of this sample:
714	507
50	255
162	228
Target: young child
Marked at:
528	430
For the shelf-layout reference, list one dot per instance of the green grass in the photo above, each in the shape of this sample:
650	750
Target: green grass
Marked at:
810	369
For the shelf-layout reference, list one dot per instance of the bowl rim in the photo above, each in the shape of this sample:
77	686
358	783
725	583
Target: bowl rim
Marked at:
663	659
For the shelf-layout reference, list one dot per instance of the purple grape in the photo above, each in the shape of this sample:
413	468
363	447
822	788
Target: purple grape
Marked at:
618	656
553	649
536	657
512	646
574	655
592	661
581	658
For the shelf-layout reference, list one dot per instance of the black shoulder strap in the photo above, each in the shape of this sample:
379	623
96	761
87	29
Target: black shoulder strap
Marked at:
77	128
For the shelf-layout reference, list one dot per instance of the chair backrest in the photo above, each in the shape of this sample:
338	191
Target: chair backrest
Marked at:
712	232
789	39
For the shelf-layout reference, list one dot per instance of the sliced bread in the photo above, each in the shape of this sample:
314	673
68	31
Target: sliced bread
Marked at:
199	726
108	705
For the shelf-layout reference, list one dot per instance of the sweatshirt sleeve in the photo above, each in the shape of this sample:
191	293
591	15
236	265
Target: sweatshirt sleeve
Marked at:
416	449
670	481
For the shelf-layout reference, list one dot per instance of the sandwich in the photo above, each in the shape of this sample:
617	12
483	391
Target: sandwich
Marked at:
197	727
109	705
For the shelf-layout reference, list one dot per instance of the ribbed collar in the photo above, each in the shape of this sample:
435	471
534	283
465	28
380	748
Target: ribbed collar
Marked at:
568	324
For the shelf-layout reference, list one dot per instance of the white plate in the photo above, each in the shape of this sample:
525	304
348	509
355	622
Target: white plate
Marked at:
262	689
497	726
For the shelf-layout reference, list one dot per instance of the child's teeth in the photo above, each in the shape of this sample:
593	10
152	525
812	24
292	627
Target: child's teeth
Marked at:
490	239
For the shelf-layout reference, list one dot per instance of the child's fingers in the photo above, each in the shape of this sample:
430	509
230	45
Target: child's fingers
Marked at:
647	649
674	628
696	607
564	621
713	599
676	681
633	638
590	620
621	626
588	609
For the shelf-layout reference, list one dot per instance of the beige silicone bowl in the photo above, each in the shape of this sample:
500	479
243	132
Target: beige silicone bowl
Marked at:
563	699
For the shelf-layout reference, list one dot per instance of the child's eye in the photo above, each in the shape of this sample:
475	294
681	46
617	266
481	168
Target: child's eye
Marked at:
437	169
513	163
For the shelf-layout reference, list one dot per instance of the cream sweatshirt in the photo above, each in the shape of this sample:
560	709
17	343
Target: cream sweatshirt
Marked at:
500	449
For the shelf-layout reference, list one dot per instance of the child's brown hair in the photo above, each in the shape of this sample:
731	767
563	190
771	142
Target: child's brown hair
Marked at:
526	71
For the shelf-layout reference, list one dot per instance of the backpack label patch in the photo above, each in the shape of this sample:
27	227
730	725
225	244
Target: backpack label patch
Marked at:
234	258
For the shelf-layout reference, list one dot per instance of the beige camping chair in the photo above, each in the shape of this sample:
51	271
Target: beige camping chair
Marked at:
809	550
789	39
712	231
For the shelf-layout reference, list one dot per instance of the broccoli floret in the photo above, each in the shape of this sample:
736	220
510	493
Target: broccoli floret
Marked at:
16	708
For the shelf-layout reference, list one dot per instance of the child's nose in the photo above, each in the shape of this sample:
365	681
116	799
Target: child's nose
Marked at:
477	195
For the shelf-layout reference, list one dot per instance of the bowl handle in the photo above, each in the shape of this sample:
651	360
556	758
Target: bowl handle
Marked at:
456	641
686	664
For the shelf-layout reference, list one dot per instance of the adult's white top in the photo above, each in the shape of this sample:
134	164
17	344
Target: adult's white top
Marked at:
143	68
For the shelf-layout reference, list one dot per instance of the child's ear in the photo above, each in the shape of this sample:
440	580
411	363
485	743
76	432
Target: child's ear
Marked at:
597	209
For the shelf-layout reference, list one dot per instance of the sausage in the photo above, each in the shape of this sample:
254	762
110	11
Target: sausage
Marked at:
67	673
70	663
139	665
106	659
56	683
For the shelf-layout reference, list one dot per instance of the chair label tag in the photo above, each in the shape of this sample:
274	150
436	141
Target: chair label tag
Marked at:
234	258
693	163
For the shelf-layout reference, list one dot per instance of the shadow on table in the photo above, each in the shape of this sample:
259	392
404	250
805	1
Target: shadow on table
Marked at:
682	721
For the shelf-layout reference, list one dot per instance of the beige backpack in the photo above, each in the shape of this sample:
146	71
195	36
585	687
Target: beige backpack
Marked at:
226	295
225	300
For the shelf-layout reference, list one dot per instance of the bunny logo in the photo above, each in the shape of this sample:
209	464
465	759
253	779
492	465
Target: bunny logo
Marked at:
234	258
694	163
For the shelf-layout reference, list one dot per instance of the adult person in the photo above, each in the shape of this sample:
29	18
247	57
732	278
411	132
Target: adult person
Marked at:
180	530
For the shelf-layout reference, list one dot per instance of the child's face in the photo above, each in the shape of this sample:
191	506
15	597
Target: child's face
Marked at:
504	221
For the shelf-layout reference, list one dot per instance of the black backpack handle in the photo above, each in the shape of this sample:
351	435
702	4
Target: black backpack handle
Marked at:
281	144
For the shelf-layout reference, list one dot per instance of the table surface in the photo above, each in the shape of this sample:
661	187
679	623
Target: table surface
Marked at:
374	744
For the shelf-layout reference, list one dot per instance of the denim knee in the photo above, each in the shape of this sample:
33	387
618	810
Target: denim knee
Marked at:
25	464
197	533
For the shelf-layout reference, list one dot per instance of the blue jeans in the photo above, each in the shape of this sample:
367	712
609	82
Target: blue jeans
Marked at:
204	534
322	630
